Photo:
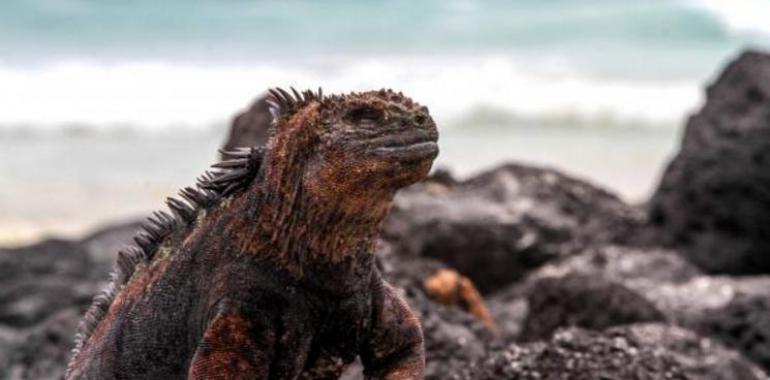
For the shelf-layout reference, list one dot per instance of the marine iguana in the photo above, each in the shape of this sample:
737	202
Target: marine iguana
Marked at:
266	268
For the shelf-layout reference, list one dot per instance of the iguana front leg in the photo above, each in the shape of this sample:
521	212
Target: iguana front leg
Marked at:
233	347
395	348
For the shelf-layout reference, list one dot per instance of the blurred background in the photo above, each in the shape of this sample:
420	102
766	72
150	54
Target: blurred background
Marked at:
107	107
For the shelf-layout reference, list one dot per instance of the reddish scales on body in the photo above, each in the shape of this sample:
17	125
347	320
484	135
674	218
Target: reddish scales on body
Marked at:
266	267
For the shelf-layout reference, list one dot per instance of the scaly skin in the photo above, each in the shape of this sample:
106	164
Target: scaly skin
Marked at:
276	278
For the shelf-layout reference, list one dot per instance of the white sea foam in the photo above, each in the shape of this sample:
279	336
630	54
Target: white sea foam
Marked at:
751	16
157	95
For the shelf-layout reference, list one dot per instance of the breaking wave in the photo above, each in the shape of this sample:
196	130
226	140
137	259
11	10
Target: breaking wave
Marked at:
156	95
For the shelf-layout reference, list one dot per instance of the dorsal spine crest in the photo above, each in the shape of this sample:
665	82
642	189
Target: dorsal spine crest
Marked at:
234	173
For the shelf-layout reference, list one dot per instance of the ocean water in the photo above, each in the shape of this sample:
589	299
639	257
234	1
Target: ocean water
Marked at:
107	106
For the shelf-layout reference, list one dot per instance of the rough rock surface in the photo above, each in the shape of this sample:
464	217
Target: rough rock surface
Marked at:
103	244
713	198
38	280
606	286
622	263
733	311
40	353
701	358
583	301
609	262
577	354
44	290
251	127
743	323
498	225
608	270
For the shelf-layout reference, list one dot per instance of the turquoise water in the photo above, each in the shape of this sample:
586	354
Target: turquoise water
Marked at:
239	30
631	62
106	106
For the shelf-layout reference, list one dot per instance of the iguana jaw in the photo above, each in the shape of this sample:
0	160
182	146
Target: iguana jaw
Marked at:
412	145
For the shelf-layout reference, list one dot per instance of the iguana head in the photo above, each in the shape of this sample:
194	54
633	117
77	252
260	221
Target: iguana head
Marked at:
357	145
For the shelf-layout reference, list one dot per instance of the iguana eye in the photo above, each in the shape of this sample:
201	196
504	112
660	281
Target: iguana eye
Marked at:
360	114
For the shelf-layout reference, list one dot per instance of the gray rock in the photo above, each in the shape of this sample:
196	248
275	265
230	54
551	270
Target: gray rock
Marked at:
251	127
38	280
103	245
501	224
713	199
599	273
583	301
576	354
42	352
700	357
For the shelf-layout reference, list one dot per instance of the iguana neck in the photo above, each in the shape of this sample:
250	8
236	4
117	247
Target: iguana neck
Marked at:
329	242
294	215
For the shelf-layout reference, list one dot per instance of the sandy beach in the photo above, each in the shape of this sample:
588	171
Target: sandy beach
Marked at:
66	185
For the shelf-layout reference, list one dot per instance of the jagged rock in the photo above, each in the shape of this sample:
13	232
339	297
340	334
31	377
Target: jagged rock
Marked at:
41	352
607	270
497	226
103	244
44	290
251	127
621	263
713	199
509	313
610	262
700	357
38	280
576	354
744	323
582	301
733	311
8	338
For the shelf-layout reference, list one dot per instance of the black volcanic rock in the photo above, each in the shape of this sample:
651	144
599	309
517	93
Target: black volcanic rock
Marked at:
42	352
714	198
583	301
103	244
733	311
612	263
44	291
251	127
501	224
38	280
607	271
623	263
700	357
744	323
576	354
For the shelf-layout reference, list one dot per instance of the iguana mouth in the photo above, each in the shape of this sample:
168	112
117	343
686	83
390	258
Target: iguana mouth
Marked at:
417	146
414	152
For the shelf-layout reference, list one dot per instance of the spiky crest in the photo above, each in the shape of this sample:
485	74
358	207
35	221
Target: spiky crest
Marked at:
234	173
282	103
